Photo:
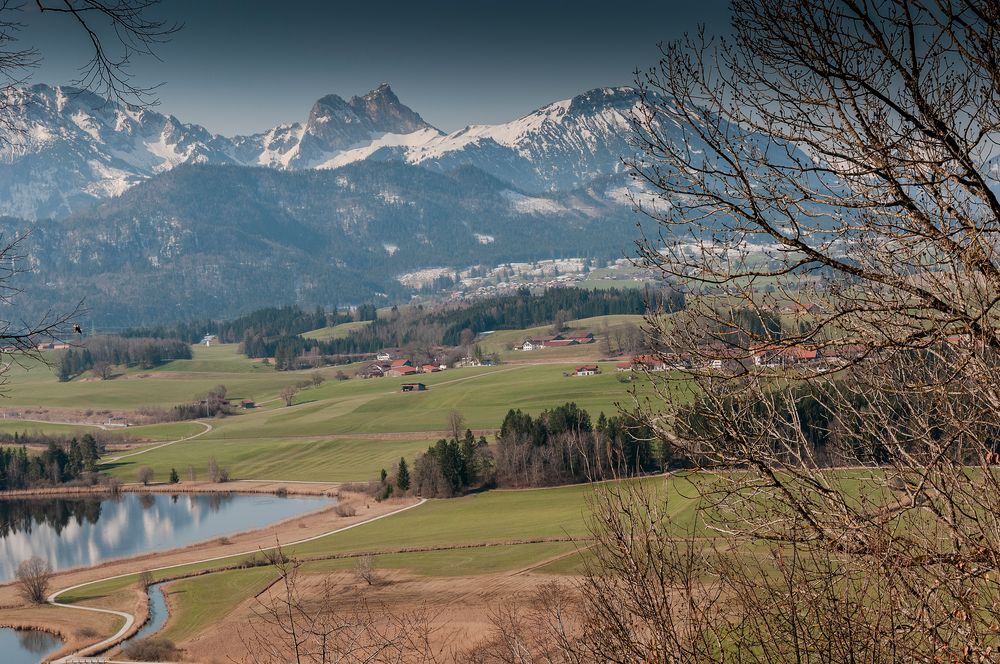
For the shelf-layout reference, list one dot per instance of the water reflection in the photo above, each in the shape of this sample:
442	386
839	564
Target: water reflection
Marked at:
26	646
70	532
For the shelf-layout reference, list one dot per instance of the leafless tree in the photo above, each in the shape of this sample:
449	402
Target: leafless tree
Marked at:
213	470
456	424
32	577
365	570
845	419
316	626
144	474
116	31
288	393
103	370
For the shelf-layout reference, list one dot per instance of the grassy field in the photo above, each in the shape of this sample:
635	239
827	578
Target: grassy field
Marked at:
336	331
175	382
201	601
288	443
501	340
151	432
279	459
500	517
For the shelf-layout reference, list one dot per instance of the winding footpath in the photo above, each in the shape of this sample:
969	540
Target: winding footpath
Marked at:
208	427
118	636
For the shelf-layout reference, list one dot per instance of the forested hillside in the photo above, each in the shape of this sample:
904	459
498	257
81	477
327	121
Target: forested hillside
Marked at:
212	242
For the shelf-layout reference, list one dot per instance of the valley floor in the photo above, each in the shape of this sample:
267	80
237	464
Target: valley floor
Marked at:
455	559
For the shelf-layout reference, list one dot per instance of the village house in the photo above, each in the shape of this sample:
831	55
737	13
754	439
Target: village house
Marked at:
430	368
375	370
588	370
387	354
772	355
649	363
401	370
581	337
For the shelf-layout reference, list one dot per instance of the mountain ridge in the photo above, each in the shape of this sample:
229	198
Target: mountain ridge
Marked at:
67	149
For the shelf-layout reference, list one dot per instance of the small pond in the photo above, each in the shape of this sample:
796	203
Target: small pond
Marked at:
27	646
70	532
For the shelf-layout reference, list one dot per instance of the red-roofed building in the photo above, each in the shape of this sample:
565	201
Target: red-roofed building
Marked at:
649	363
402	371
770	355
400	363
588	370
429	368
559	343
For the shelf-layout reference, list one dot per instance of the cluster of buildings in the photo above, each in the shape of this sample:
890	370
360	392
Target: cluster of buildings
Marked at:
556	341
398	367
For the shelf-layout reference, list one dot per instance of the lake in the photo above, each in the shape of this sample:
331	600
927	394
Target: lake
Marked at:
83	531
27	646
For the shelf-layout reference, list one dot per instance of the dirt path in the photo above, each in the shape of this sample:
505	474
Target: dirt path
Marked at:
208	427
130	619
74	424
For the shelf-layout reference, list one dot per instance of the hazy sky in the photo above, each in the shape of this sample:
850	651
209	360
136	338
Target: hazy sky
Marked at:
241	66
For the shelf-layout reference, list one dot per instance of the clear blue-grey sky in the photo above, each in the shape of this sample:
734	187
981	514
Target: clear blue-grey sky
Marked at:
241	66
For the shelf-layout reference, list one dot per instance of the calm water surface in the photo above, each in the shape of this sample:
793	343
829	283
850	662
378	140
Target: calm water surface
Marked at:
158	614
70	532
26	646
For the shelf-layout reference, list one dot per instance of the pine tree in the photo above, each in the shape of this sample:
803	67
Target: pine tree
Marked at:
174	477
403	475
75	464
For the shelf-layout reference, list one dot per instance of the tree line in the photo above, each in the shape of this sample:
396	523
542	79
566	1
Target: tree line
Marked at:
267	322
560	446
453	325
55	465
102	352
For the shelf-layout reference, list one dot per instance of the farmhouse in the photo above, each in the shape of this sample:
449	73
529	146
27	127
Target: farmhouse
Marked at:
430	368
376	370
588	370
770	355
581	337
387	354
412	387
649	363
402	370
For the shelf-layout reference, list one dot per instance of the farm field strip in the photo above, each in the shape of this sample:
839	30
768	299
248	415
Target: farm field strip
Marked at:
130	619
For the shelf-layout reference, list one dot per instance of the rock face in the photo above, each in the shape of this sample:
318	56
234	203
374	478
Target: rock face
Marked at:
64	149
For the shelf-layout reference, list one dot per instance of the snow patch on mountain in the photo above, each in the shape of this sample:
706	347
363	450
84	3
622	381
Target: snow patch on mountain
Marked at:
532	205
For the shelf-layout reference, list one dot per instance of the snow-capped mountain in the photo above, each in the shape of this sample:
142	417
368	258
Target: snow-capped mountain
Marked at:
61	148
66	148
336	128
561	146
